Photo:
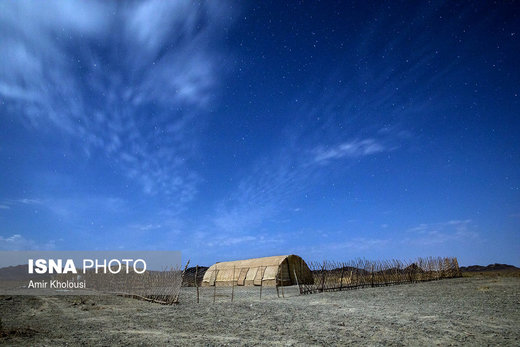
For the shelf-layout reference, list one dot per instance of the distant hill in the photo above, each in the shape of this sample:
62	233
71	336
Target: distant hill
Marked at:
490	267
20	272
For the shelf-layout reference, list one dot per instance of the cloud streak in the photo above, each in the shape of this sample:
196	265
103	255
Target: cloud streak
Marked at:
127	80
17	242
352	149
274	182
439	233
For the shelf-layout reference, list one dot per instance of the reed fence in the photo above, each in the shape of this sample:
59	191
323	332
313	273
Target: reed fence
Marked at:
336	276
162	286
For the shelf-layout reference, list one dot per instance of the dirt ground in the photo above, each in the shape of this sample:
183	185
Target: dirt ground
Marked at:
463	311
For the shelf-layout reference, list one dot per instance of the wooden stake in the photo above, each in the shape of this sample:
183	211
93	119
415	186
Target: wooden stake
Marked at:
281	280
196	282
298	284
176	299
277	290
215	285
233	285
341	279
323	277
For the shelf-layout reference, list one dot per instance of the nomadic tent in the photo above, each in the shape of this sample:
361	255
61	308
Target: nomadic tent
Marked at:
282	270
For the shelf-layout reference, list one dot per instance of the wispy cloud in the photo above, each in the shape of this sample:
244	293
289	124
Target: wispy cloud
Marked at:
147	227
10	203
305	157
443	236
359	244
232	241
439	233
17	242
355	148
123	79
223	245
274	182
26	201
258	196
84	208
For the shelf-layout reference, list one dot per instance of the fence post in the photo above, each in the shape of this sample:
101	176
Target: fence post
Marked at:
176	298
297	283
276	284
215	285
281	277
196	282
261	285
233	285
341	279
372	277
323	277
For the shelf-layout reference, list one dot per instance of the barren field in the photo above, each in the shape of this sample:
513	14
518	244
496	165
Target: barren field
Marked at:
463	311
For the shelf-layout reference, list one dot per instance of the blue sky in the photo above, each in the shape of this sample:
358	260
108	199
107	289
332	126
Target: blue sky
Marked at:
228	130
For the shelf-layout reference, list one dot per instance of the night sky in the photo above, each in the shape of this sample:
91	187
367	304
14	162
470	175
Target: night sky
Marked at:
229	130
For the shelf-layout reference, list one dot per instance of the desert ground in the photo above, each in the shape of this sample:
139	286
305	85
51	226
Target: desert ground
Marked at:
478	310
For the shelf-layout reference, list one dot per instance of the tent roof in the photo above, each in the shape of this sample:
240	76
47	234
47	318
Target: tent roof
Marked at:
258	271
254	262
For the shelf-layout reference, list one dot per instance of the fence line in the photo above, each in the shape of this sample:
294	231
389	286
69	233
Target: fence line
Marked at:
162	286
336	276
